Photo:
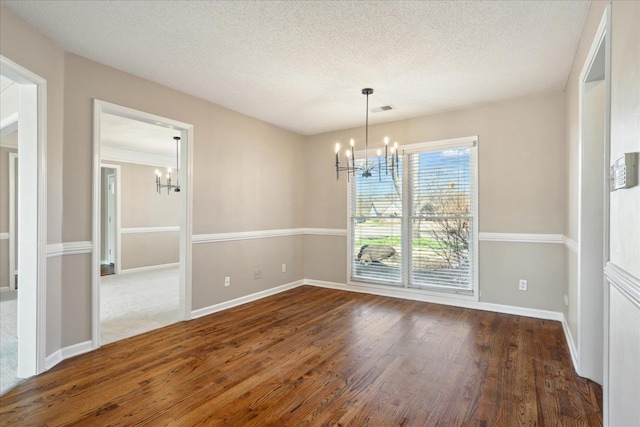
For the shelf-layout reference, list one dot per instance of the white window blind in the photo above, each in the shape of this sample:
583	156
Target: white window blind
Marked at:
376	227
417	228
441	220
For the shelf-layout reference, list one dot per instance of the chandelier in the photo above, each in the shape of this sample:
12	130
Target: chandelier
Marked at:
370	166
169	186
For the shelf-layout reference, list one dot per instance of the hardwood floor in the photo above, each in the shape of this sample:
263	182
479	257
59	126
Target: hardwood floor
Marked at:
314	356
107	269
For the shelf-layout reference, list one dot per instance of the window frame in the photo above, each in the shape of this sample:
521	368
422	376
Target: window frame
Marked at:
422	147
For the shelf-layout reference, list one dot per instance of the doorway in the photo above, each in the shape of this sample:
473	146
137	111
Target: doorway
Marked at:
593	207
109	218
130	184
28	231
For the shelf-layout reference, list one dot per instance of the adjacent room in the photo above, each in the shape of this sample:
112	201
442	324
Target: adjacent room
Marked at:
10	98
139	226
322	213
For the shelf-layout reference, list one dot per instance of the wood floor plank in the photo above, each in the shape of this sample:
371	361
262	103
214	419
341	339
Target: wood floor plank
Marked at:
314	356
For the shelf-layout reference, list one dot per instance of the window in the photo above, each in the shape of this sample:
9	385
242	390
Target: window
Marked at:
416	227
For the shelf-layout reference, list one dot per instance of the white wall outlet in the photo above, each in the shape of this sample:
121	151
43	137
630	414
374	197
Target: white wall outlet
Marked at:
227	281
257	273
566	300
522	285
284	268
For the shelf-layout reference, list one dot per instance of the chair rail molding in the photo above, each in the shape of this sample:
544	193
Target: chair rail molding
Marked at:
69	248
625	282
484	236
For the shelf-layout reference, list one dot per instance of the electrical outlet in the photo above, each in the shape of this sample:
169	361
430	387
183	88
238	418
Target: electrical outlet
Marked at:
284	268
227	281
257	273
566	300
523	285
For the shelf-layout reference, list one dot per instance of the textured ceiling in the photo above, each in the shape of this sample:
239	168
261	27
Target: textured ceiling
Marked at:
301	64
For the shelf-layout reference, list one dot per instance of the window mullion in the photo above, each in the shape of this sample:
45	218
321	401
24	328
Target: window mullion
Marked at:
407	249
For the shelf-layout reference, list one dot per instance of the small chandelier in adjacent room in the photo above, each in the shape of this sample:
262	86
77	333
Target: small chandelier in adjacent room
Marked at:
370	165
169	186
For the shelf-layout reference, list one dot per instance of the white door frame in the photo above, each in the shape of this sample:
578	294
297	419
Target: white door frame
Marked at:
586	300
13	194
116	226
186	199
32	227
111	215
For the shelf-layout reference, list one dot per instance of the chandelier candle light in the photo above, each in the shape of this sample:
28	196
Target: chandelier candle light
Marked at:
168	185
368	167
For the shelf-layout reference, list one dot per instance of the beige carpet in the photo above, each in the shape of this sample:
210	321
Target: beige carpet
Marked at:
134	303
8	341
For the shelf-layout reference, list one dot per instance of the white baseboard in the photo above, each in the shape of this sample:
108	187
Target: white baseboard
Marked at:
476	305
245	299
570	342
149	268
67	353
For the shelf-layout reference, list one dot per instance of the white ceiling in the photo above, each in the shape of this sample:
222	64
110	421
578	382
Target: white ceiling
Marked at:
121	133
301	64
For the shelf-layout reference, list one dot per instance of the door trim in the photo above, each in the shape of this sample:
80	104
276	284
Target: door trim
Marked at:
32	305
601	40
186	176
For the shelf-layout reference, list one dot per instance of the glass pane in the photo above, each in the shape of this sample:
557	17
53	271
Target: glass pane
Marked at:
441	183
380	194
377	249
441	253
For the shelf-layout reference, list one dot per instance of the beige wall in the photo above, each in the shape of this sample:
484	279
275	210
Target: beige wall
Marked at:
521	189
238	260
141	207
149	249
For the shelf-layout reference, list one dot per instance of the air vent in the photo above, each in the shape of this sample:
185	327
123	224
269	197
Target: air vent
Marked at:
381	109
